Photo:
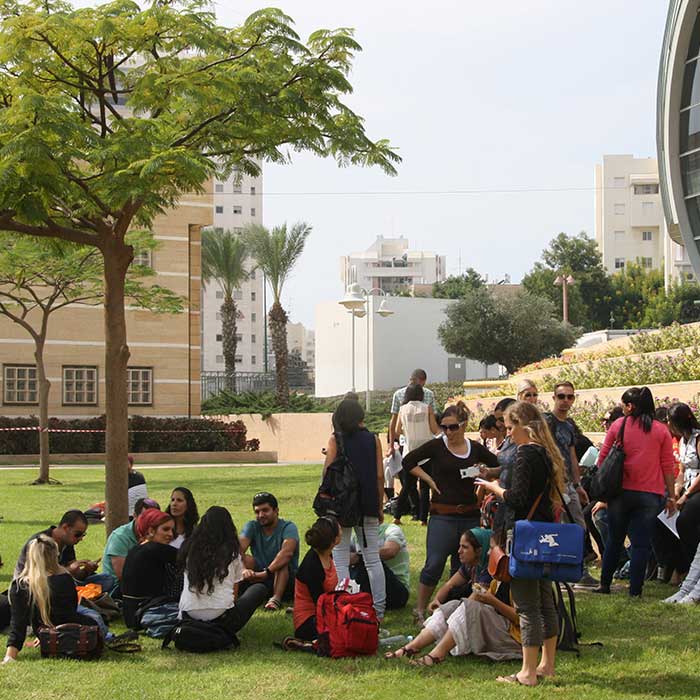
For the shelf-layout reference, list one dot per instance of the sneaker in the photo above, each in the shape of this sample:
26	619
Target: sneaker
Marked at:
587	580
675	598
687	600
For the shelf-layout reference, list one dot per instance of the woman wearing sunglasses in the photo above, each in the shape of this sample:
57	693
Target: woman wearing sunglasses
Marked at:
453	505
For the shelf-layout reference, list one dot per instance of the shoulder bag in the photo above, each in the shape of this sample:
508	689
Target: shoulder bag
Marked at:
606	484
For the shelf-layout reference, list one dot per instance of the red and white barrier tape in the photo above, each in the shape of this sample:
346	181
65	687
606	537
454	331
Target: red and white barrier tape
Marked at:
102	430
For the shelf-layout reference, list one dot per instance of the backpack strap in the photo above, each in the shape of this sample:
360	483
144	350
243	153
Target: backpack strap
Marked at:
621	434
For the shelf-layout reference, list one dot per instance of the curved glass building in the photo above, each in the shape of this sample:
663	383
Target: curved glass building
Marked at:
678	126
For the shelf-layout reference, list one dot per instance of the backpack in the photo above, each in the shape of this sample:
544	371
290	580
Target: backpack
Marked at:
339	493
568	631
200	637
347	625
159	620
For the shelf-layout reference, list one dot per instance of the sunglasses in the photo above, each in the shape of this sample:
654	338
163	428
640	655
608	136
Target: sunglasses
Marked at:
530	396
450	428
569	397
79	534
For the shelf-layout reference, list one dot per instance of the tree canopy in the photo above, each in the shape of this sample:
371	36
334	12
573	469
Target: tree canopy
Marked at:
455	286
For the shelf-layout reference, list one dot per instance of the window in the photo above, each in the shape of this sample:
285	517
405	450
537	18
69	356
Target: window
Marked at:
219	359
237	188
20	384
252	190
619	208
647	263
648	208
237	294
239	338
619	236
252	338
143	258
219	338
80	386
253	360
253	317
218	187
618	182
252	296
140	386
646	235
646	189
619	263
239	359
219	209
252	211
237	209
219	295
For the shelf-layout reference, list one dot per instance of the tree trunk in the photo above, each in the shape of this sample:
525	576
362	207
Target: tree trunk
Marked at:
117	257
44	388
230	344
278	330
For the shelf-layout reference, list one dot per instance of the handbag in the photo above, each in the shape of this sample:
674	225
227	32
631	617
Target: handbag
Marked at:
71	641
607	481
540	550
498	564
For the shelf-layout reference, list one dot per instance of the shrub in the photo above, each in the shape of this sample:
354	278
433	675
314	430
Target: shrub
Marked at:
227	403
669	338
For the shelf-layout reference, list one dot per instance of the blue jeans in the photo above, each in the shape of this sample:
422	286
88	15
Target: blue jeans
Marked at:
632	514
442	541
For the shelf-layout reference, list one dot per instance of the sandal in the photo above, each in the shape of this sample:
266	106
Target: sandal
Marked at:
273	604
404	651
423	662
514	680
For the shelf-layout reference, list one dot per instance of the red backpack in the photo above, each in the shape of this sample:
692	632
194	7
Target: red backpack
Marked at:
347	625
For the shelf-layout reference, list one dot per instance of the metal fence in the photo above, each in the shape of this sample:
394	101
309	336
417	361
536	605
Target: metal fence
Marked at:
257	382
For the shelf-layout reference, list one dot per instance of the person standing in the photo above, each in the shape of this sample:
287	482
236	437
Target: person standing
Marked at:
364	450
648	472
453	504
536	480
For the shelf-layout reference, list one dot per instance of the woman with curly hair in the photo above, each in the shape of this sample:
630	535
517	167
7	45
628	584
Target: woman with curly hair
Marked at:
183	508
213	569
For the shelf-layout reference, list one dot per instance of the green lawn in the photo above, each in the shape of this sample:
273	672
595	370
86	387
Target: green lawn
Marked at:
650	651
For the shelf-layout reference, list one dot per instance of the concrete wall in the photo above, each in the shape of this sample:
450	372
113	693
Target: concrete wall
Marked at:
295	437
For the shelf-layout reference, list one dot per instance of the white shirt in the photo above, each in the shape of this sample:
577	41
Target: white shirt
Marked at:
689	458
202	606
415	421
178	542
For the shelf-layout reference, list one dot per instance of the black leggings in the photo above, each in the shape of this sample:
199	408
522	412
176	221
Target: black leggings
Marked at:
688	525
235	618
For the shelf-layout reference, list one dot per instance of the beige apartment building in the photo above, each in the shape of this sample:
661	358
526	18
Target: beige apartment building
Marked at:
164	367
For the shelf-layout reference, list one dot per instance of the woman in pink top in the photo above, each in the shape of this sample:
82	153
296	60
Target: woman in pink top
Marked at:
648	477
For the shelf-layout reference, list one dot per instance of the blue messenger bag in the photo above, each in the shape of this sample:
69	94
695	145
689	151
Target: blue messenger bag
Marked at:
552	551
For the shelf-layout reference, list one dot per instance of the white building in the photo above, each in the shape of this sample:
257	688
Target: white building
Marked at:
302	340
389	265
387	349
629	220
237	202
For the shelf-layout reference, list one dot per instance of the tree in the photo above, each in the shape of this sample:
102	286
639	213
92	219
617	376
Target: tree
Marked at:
510	331
276	252
224	256
39	278
109	114
456	286
589	296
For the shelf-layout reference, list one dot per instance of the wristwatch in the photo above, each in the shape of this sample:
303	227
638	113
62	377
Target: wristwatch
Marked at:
268	572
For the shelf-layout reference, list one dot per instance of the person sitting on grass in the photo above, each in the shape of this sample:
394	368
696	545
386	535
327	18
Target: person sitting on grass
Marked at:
183	509
274	545
150	570
213	569
121	541
42	594
316	575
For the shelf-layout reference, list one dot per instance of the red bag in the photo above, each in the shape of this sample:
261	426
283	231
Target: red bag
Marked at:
347	625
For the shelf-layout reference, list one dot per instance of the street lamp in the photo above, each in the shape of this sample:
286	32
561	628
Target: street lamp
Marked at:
354	301
564	281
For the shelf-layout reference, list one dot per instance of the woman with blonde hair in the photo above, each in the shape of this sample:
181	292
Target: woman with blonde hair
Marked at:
43	595
527	391
537	480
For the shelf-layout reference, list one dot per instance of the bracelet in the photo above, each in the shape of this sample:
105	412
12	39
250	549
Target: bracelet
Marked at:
577	485
268	572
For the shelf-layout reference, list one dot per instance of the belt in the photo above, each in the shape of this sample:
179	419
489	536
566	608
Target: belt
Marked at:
450	509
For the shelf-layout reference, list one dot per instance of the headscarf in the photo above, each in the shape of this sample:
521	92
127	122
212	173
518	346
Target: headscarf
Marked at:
149	519
483	537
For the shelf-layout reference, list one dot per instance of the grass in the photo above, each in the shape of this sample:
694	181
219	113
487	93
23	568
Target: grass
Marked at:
650	651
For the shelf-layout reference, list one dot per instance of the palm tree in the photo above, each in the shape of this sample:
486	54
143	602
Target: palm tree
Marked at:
223	260
276	252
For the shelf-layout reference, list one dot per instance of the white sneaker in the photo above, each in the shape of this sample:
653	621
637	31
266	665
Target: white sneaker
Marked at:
688	600
675	598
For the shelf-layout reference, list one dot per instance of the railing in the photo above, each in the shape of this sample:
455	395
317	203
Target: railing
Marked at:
257	382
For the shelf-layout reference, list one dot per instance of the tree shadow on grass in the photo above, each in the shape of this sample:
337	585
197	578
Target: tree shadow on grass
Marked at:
661	685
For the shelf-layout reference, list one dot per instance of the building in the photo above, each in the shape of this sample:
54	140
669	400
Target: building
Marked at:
389	265
237	202
386	349
629	220
678	126
303	341
164	361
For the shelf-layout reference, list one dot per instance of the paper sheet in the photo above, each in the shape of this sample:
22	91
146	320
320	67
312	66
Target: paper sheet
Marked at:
669	522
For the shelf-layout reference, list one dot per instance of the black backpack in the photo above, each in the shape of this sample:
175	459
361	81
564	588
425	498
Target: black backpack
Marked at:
200	637
568	631
339	493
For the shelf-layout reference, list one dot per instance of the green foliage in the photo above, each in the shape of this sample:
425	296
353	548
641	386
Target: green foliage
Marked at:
224	255
673	337
456	286
509	331
230	403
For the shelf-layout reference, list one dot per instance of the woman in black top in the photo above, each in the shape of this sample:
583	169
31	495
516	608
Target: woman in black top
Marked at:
43	595
453	504
364	451
538	473
150	570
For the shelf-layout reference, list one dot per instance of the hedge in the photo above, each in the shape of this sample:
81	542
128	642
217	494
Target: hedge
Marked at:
183	435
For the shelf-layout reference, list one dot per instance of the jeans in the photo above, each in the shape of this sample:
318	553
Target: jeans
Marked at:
408	498
632	514
369	531
396	593
96	617
442	541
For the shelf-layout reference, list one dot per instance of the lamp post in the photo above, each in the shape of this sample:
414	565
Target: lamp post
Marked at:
564	281
354	301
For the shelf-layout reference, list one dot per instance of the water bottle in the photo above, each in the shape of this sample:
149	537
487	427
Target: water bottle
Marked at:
396	640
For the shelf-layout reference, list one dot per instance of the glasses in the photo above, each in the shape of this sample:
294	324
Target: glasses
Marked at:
79	534
531	395
450	428
568	397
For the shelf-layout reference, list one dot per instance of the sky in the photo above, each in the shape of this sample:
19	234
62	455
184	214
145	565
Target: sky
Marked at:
475	96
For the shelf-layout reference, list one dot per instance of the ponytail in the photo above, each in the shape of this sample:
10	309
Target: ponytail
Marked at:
41	562
459	410
643	409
